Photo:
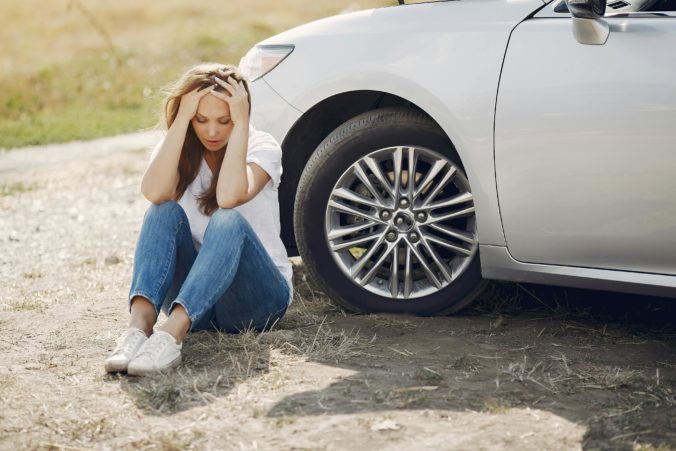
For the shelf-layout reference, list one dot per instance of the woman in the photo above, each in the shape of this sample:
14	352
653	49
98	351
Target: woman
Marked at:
209	252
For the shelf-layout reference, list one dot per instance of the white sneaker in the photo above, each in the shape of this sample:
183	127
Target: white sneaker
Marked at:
160	352
127	346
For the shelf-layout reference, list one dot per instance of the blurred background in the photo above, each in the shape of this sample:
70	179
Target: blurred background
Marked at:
79	69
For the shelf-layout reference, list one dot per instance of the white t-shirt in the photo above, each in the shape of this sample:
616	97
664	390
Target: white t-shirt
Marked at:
262	212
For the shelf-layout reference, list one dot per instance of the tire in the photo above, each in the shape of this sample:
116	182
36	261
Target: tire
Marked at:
377	246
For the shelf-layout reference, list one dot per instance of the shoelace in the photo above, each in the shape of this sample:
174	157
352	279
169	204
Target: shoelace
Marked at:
154	345
129	341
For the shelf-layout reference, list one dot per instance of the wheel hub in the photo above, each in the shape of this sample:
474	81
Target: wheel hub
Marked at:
403	221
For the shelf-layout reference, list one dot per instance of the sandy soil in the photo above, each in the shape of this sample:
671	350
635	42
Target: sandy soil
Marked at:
526	368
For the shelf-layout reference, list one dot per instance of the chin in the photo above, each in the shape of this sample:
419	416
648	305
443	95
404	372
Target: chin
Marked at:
213	147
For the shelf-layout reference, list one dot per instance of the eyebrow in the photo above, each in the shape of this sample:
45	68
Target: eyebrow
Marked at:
222	117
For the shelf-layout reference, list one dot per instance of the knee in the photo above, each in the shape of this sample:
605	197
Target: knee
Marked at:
226	218
168	209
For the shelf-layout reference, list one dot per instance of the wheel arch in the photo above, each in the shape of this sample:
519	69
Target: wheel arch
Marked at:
311	129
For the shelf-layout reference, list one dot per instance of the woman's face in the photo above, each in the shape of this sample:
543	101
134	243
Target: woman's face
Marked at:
212	123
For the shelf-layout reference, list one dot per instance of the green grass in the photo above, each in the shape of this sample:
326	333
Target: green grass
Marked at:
15	188
79	69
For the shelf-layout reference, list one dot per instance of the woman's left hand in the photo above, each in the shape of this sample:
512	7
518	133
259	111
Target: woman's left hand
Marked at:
237	100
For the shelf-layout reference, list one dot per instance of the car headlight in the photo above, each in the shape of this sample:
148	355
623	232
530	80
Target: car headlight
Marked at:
261	59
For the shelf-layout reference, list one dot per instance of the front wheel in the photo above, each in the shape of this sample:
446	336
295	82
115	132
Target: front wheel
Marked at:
384	217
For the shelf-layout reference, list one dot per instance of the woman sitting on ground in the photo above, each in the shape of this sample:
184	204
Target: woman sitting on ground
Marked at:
209	253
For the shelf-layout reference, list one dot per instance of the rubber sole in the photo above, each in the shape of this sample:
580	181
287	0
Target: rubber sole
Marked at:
145	372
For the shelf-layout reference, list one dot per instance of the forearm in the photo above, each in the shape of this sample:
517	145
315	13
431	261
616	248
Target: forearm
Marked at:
161	176
233	182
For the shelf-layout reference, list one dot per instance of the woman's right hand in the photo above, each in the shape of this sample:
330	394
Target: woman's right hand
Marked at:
190	101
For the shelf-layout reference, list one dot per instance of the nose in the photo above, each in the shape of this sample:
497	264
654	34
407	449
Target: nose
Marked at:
212	130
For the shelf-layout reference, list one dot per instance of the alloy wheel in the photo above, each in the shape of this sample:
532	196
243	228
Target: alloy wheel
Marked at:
400	222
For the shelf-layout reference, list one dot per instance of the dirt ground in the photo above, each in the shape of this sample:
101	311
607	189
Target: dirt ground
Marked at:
526	368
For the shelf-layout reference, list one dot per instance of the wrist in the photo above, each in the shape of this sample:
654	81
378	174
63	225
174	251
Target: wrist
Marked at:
182	120
241	122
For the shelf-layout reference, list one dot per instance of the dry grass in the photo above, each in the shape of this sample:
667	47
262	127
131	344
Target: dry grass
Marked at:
395	322
214	362
466	364
6	382
170	441
75	69
559	375
23	305
13	189
496	406
649	447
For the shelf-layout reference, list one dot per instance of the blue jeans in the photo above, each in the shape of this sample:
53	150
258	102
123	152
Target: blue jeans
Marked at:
231	284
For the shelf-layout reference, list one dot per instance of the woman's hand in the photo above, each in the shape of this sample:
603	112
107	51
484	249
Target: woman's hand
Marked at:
237	100
190	101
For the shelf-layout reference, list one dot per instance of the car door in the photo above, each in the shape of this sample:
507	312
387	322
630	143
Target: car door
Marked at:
585	144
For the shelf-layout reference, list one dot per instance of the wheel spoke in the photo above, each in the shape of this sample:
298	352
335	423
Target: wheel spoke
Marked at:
408	274
444	180
439	262
340	232
359	264
412	163
450	215
450	202
458	234
347	194
396	160
457	249
426	267
354	211
377	171
429	177
372	272
355	241
361	175
394	272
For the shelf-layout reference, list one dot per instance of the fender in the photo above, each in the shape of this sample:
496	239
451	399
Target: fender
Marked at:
384	48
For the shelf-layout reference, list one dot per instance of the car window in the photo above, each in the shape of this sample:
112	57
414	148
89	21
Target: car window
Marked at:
662	5
625	6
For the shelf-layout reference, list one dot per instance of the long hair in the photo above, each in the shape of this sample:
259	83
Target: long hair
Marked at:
200	76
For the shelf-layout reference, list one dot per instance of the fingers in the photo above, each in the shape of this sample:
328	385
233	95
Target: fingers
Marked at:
227	86
204	90
221	96
226	73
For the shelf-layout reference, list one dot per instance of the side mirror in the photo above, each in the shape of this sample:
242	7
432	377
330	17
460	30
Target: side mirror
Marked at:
588	24
587	9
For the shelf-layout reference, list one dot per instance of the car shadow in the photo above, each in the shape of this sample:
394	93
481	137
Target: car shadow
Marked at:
603	360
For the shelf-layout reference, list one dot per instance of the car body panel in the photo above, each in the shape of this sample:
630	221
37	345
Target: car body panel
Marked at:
270	112
585	157
396	50
497	263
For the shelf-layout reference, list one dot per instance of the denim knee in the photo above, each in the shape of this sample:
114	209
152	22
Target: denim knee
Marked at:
166	210
226	218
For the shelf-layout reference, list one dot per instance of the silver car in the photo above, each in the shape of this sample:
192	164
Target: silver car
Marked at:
428	147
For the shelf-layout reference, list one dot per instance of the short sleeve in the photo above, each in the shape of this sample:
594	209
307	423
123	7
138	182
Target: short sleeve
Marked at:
266	153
